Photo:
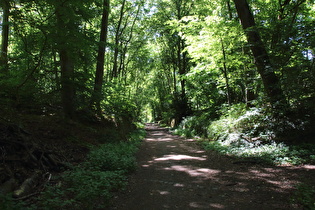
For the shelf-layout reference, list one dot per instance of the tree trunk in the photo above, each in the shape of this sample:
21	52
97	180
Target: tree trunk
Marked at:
225	74
66	64
5	36
99	73
182	107
269	78
67	83
124	48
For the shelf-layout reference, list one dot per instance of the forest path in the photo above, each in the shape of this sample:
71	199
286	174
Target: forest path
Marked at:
175	173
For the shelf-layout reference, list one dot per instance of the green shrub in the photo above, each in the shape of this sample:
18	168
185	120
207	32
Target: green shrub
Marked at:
236	122
112	157
250	134
193	126
7	203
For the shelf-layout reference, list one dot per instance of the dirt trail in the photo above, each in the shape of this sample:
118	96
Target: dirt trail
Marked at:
175	173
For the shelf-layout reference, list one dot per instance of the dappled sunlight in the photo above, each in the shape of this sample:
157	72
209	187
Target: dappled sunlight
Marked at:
178	174
241	189
205	205
178	185
280	185
193	172
159	139
261	174
189	140
163	192
271	176
309	167
158	134
179	157
217	206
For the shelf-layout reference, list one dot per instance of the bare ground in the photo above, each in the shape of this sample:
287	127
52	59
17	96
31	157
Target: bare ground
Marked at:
175	173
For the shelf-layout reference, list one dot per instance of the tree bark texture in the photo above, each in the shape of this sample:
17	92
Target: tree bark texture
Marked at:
269	78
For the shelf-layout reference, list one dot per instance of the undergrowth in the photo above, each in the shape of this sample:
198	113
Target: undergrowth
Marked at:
248	133
305	196
89	185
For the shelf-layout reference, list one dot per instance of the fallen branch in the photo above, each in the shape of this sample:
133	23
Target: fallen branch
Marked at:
35	193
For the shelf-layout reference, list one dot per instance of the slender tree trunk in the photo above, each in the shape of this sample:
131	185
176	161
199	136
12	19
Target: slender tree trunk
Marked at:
99	73
56	70
124	48
181	70
225	74
269	78
174	80
117	37
5	36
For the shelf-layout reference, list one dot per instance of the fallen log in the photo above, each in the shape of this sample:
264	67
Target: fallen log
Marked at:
27	185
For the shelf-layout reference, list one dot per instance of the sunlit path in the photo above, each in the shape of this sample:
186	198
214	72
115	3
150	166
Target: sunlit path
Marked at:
174	173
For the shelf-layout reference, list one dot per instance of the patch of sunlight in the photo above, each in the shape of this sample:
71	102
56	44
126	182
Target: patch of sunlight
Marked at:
158	134
179	185
309	167
258	173
198	205
241	189
217	205
179	157
190	140
159	139
163	192
204	172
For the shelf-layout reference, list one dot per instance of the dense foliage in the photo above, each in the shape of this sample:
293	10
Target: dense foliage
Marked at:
237	73
162	59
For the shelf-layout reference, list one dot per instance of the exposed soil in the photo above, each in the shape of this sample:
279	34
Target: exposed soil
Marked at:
175	173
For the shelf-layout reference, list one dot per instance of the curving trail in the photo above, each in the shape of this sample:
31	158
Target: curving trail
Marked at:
175	173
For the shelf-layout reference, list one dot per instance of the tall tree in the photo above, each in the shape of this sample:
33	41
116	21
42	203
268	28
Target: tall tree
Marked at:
269	78
5	5
64	27
99	73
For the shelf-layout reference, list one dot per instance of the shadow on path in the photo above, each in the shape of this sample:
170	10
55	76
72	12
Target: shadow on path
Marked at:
175	173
